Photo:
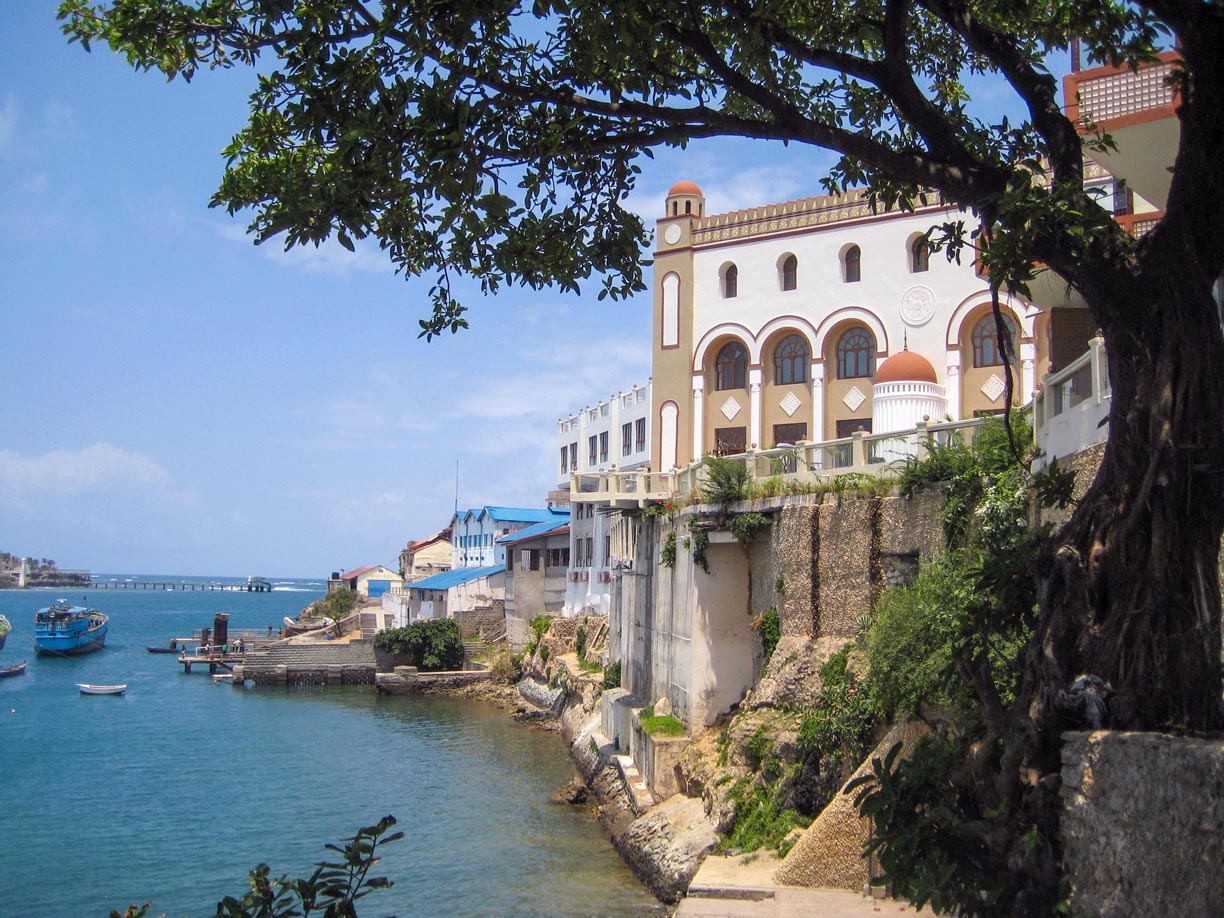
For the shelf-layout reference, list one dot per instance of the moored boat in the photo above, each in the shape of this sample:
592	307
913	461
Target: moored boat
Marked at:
301	626
5	628
15	670
66	630
89	689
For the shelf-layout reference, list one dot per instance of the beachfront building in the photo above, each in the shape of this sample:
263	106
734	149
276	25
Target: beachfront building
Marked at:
425	557
474	533
612	435
372	581
458	591
537	564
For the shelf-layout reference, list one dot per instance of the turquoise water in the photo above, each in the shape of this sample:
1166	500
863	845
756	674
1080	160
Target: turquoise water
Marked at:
175	790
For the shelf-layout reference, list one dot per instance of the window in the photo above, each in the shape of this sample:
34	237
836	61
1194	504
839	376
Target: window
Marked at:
852	263
603	447
607	548
856	354
640	440
626	439
791	359
986	351
510	560
534	557
574	455
789	433
849	426
1123	199
731	282
593	449
731	366
920	255
790	272
590	551
564	460
730	440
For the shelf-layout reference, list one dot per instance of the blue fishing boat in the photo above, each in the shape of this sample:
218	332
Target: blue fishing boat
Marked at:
66	630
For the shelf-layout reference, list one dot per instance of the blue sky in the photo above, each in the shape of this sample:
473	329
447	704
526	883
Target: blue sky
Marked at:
180	401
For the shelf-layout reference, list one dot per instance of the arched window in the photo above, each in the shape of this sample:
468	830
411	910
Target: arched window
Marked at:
731	282
856	354
852	261
791	359
986	351
920	255
731	366
790	272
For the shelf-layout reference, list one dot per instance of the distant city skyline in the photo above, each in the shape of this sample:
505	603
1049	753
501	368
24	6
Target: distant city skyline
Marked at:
180	401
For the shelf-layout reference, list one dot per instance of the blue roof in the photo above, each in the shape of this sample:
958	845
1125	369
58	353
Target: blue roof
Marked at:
515	514
458	575
536	529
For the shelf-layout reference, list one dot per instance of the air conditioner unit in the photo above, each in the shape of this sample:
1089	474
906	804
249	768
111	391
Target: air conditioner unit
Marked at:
585	575
604	577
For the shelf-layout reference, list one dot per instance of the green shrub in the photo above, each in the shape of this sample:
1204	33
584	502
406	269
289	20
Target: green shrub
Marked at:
698	542
660	724
743	525
769	625
580	641
612	675
762	820
433	644
667	555
337	604
726	480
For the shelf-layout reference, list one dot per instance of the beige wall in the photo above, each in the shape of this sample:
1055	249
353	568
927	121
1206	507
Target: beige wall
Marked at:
671	375
973	399
836	389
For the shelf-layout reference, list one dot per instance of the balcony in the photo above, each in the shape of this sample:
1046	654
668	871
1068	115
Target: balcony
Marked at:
1071	410
1138	109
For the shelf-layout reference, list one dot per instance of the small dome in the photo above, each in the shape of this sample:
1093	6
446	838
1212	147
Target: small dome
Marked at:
905	367
685	188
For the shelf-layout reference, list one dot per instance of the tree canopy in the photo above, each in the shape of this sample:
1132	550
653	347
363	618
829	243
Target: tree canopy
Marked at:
498	140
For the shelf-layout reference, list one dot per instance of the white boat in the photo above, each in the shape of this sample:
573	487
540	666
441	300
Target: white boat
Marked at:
294	626
223	677
88	689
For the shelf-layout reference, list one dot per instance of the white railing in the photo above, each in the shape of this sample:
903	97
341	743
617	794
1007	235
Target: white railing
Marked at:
1071	410
804	464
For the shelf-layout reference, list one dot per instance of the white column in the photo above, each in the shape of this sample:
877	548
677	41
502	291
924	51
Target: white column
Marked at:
954	385
754	401
816	434
698	418
1028	361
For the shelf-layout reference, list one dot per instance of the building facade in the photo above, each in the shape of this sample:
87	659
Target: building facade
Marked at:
474	533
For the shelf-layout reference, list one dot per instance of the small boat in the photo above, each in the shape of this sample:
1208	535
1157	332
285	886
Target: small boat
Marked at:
9	672
87	689
163	649
218	678
294	626
5	627
66	630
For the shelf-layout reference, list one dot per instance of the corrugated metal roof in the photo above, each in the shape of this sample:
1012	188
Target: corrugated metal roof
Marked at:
357	572
535	531
526	515
458	575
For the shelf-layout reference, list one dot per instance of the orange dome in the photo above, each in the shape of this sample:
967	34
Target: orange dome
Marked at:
685	188
905	367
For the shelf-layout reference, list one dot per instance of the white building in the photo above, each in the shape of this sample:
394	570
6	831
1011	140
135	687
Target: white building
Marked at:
474	533
613	435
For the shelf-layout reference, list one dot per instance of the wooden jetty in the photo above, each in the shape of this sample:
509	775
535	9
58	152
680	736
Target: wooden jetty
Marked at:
253	585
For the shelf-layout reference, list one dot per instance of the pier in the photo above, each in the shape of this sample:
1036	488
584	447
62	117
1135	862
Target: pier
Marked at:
253	585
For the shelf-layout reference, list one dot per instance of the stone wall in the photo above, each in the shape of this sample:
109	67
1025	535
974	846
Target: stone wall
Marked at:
482	621
1143	824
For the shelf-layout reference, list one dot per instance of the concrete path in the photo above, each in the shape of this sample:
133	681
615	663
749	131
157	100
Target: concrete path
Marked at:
743	887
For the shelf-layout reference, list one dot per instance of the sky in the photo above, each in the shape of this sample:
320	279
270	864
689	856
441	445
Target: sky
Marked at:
179	401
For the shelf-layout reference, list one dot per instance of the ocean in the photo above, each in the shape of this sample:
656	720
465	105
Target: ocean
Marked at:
175	790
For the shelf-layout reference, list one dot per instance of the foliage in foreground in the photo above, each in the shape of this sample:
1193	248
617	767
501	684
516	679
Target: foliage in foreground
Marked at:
338	604
433	644
331	891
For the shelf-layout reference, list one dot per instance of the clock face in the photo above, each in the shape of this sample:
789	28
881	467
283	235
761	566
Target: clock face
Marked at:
917	305
671	235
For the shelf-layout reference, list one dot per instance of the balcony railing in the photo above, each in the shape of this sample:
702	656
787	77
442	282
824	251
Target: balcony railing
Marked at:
1071	410
805	465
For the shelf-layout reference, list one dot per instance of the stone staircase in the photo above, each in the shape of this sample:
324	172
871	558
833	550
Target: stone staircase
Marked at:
322	663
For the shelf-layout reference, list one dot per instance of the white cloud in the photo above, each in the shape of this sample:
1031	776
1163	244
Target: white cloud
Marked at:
101	469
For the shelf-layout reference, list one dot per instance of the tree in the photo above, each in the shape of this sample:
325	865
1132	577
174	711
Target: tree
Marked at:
496	140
